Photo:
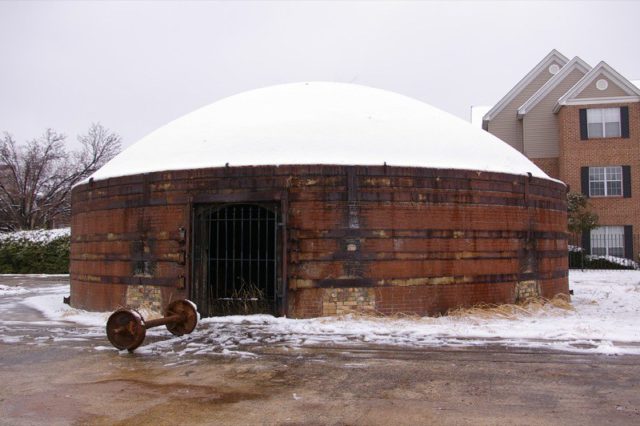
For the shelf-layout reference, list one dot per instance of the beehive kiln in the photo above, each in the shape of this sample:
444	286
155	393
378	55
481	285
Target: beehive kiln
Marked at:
314	199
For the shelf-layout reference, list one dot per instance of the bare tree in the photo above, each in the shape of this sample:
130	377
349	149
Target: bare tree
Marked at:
36	179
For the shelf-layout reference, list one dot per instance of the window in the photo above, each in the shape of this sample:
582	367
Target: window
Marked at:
603	123
605	181
608	241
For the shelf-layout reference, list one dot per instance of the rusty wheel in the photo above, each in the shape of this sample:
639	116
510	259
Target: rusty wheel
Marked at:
189	313
125	329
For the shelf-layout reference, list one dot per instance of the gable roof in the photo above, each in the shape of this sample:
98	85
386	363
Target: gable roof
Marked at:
554	55
552	83
569	98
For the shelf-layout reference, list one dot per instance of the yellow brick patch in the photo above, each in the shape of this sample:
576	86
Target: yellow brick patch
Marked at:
144	297
419	281
340	301
527	290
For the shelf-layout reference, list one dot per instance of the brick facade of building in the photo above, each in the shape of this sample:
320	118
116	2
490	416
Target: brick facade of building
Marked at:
580	155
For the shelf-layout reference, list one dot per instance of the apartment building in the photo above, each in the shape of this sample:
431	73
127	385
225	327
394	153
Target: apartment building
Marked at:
581	124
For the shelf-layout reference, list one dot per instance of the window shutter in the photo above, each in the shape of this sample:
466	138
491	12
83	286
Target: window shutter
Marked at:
624	121
584	181
584	134
628	242
586	242
626	181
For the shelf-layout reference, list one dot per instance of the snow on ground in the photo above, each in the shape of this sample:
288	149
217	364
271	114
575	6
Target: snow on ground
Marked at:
605	320
6	290
51	306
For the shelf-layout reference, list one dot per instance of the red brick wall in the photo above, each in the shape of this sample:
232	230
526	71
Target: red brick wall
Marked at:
425	240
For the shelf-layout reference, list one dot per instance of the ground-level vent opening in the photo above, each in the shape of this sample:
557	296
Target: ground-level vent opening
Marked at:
236	261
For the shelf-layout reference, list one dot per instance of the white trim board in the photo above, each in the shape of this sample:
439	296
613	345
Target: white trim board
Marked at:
596	101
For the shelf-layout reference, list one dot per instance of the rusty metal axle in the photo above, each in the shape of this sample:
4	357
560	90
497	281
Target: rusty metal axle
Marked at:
126	329
163	321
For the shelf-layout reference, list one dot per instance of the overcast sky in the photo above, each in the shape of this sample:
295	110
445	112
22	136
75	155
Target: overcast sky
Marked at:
135	66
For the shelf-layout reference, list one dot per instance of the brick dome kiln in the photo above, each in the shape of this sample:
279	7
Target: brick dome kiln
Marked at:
317	199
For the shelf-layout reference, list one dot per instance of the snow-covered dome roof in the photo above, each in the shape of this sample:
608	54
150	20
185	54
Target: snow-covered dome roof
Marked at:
318	123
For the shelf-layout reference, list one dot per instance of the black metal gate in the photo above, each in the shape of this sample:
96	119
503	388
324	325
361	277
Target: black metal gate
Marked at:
235	259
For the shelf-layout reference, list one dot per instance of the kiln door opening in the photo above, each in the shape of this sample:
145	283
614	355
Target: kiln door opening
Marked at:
236	259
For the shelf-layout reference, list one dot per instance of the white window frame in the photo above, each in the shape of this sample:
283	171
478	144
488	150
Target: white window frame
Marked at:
606	175
607	241
598	116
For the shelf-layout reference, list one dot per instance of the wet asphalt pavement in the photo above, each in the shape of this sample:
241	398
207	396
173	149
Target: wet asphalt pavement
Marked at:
58	372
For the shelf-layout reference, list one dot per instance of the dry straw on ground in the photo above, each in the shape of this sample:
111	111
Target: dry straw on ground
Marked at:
530	307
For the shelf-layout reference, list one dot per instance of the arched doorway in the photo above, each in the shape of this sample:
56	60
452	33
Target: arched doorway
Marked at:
235	262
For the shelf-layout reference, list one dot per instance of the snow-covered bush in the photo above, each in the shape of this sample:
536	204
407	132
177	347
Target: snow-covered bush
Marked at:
579	259
35	252
612	262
